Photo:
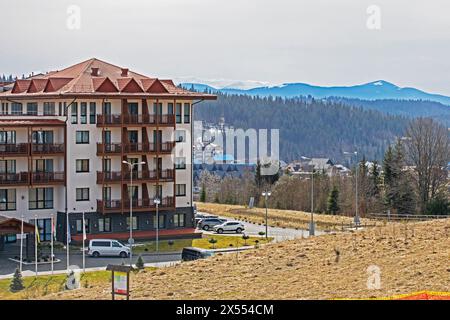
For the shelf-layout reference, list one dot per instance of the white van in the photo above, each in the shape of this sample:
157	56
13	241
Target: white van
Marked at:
107	247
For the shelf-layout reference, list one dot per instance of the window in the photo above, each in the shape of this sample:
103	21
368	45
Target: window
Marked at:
162	221
107	195
74	113
107	108
42	137
82	194
133	136
133	192
79	225
8	166
178	113
92	112
49	109
7	199
179	220
133	108
7	137
45	229
180	163
187	113
4	109
82	137
40	198
106	165
82	165
180	190
16	108
180	135
83	113
104	225
44	165
32	108
135	223
170	108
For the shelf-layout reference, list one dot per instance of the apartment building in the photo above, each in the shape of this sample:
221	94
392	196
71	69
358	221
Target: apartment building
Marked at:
64	138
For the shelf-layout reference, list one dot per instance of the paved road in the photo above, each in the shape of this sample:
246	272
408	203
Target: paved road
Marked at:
7	266
280	234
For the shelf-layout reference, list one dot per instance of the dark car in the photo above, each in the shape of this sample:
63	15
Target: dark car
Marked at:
208	223
191	253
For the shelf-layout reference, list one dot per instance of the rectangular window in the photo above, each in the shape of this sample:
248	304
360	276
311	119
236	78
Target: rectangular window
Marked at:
4	109
107	108
7	199
104	225
45	229
133	108
8	166
180	190
82	137
180	163
32	108
74	113
79	225
135	223
106	193
92	112
49	109
40	198
7	137
178	113
42	137
106	165
170	108
44	165
82	165
187	113
82	194
180	135
16	108
162	221
179	220
83	113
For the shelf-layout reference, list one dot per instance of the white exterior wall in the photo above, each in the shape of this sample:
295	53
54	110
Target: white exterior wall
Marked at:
89	151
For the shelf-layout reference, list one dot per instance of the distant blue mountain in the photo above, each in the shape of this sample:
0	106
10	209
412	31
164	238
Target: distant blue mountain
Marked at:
377	90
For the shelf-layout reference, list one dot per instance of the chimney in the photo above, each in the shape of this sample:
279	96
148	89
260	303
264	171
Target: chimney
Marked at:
94	72
124	72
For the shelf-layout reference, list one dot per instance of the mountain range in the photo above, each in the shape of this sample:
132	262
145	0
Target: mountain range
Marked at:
376	90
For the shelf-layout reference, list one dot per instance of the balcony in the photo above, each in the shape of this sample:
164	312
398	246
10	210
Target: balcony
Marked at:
47	178
134	148
14	179
47	148
138	176
117	120
139	205
14	150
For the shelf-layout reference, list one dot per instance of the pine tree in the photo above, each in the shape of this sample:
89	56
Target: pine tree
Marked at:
140	263
203	194
332	202
16	282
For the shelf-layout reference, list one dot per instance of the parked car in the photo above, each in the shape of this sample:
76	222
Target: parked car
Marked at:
200	216
229	226
208	223
107	247
191	253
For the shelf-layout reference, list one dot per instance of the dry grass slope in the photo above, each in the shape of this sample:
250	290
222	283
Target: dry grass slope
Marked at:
412	257
278	218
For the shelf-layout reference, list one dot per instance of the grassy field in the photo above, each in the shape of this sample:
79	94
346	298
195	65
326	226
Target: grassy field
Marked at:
222	242
410	257
278	218
43	285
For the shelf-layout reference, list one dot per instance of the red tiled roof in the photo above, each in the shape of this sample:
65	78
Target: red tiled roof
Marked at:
31	122
94	77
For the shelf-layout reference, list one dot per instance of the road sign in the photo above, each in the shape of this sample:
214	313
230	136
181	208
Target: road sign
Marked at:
131	241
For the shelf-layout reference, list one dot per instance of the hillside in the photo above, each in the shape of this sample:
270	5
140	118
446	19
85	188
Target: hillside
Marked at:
307	126
411	257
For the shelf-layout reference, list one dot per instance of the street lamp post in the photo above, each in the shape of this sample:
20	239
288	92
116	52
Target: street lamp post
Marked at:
266	195
356	219
156	201
311	225
130	225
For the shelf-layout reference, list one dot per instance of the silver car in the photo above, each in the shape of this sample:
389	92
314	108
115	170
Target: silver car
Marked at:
208	223
107	247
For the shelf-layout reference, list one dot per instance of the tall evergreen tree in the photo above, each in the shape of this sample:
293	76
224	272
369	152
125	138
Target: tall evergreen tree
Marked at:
332	203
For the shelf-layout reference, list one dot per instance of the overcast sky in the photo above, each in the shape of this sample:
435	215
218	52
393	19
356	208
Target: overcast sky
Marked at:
324	42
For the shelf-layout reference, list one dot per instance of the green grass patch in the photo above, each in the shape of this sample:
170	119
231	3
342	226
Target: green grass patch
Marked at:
223	241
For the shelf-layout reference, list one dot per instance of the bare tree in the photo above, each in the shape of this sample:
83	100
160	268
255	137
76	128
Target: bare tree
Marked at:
428	149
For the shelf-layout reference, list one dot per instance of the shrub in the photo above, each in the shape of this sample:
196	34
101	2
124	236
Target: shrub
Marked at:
16	282
140	263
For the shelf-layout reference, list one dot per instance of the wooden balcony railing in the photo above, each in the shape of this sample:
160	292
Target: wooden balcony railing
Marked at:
144	175
20	149
116	148
21	178
109	148
47	177
139	119
138	205
47	148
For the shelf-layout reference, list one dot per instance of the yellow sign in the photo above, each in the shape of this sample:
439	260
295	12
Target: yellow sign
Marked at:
120	283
